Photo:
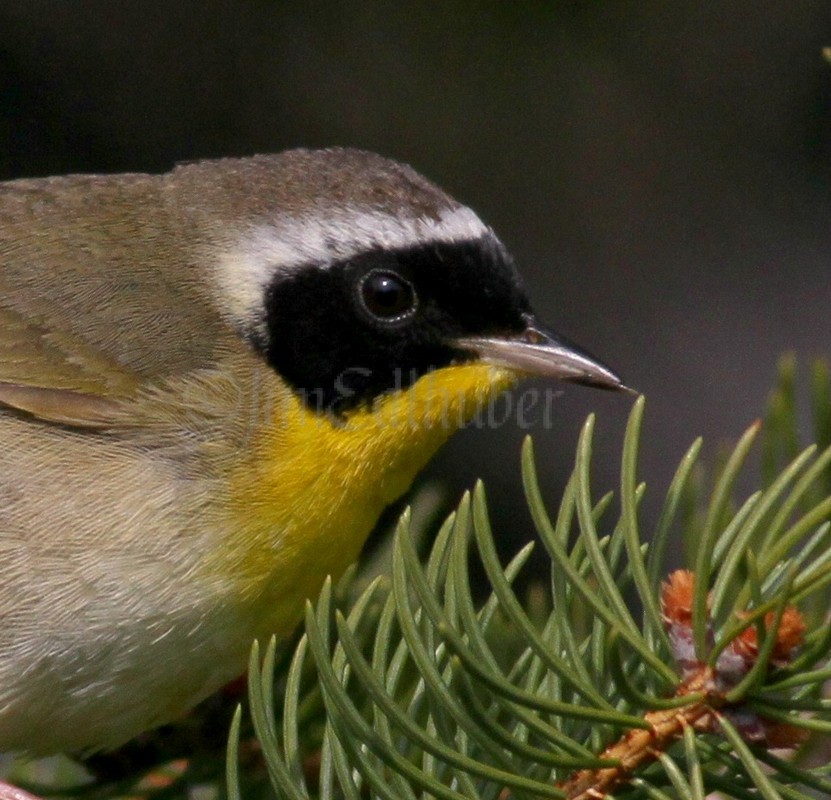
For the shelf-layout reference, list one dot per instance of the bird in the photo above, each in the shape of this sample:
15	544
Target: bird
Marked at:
212	382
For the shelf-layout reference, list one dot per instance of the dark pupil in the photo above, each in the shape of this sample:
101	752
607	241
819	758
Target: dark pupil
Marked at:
386	295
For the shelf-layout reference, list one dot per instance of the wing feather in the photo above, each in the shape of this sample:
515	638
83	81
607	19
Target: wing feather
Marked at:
98	297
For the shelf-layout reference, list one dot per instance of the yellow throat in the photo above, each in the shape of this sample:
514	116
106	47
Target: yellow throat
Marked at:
311	486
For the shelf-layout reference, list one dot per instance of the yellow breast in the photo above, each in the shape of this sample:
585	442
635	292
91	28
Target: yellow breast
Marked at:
310	487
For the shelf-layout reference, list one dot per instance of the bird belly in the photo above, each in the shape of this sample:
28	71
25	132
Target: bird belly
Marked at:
103	632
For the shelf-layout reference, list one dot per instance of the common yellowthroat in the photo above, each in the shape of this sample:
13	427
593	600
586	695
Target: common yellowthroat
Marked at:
211	383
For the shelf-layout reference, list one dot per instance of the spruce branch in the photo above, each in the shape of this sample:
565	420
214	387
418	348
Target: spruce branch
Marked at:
624	678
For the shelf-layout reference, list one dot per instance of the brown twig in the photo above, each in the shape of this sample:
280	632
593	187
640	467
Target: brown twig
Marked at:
640	746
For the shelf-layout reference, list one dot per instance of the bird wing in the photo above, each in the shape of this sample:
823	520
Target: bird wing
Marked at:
56	377
98	297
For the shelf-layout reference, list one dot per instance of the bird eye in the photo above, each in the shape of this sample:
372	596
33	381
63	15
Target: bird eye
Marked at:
387	296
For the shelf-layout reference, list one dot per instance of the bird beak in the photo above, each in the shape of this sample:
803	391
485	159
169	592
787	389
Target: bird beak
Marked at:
538	352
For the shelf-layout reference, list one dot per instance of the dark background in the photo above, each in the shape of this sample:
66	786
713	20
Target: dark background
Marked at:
660	170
